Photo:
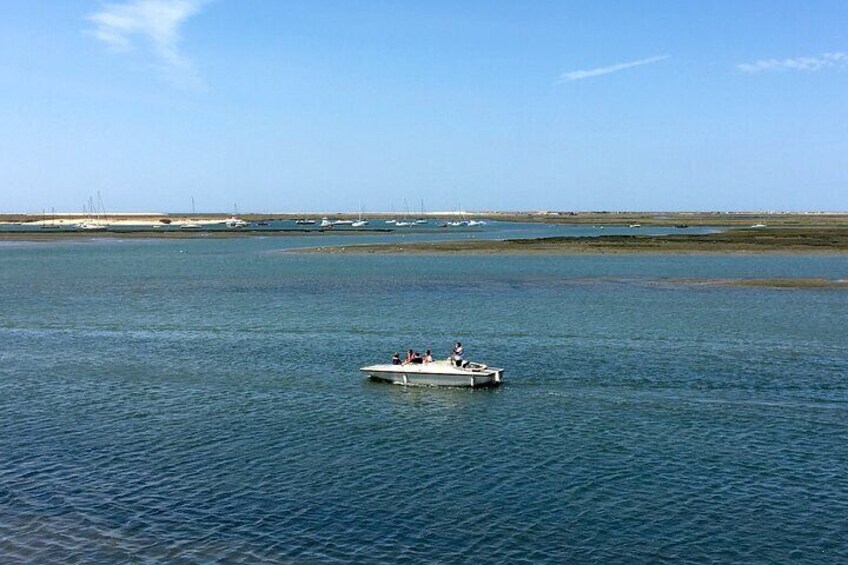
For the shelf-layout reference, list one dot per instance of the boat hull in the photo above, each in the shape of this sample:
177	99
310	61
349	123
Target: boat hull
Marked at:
421	375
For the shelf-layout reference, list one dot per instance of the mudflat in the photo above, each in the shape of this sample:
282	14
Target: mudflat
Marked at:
737	240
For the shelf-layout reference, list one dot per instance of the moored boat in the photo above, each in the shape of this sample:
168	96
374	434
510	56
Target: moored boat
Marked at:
360	222
91	226
233	222
437	373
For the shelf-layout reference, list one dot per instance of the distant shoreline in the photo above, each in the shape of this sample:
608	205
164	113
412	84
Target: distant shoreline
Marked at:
721	219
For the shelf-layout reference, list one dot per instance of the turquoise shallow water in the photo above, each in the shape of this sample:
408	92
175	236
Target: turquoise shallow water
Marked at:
199	400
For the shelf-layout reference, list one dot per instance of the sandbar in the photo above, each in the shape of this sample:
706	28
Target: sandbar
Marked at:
740	240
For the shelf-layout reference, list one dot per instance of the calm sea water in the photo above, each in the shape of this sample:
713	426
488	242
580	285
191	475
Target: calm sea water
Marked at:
199	400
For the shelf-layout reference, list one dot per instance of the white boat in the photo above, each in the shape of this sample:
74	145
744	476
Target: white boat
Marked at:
421	220
304	222
635	225
406	221
758	226
391	221
326	223
473	223
437	373
94	215
235	223
359	223
343	223
91	226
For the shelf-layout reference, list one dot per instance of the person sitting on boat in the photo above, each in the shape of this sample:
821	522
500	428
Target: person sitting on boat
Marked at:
416	358
428	357
396	358
457	354
409	355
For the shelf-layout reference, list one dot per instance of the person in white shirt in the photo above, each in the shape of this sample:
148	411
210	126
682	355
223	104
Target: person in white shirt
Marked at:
457	354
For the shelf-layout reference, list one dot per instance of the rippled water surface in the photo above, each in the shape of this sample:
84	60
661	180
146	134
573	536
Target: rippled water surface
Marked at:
199	400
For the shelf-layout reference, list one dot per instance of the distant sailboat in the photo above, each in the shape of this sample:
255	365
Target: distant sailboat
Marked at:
360	223
406	222
393	220
234	222
474	223
52	225
191	225
91	226
93	221
421	219
457	222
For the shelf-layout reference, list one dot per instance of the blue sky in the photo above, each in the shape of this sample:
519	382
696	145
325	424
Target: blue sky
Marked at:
323	105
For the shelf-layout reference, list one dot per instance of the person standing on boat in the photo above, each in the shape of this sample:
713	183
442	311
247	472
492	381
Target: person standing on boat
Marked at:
457	354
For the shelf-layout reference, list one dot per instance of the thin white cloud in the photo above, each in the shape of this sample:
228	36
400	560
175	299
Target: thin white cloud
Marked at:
156	23
580	75
824	61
